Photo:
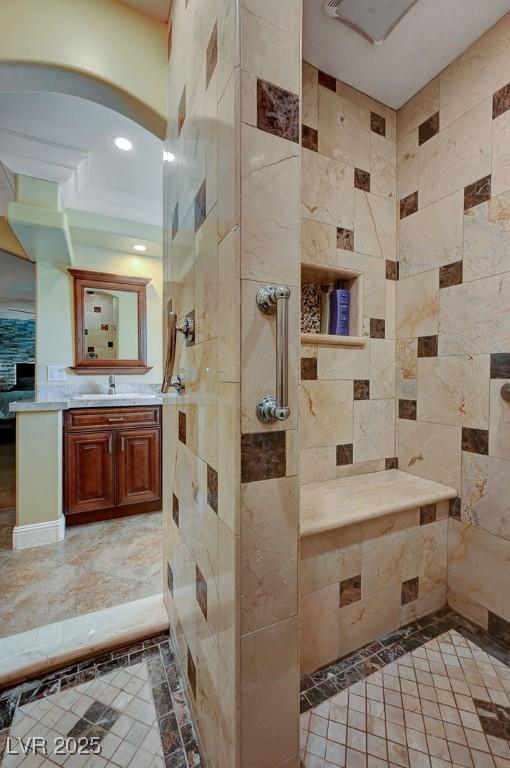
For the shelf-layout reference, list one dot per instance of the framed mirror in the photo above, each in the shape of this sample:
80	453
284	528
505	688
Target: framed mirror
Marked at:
110	323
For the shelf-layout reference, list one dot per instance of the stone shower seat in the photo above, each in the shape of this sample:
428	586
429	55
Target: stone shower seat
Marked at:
337	503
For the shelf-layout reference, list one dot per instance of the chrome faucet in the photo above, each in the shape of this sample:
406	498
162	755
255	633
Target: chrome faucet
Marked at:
111	384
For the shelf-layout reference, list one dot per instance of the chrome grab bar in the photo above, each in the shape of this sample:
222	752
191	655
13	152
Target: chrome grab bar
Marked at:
187	328
271	300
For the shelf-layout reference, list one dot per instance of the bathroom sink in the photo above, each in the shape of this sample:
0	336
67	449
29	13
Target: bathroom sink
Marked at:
119	396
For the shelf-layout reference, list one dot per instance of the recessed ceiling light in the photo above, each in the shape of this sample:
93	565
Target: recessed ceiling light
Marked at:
122	143
139	247
168	157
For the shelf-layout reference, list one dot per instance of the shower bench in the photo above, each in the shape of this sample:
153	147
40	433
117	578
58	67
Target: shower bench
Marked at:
373	557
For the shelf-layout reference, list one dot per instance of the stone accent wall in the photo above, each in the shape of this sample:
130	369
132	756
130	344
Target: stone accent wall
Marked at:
17	345
348	221
453	311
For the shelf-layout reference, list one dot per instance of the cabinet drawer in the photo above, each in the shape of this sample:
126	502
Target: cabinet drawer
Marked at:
84	419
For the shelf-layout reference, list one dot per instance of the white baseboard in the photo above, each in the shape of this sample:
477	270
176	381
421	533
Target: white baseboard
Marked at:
38	534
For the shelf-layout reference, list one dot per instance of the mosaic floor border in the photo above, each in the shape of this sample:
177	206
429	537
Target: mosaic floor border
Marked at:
178	738
335	677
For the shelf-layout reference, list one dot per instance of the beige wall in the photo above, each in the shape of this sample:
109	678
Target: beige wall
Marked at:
454	290
125	52
55	313
232	524
347	399
39	457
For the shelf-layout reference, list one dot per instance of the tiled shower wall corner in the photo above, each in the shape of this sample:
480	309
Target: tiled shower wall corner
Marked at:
453	312
348	219
231	484
201	433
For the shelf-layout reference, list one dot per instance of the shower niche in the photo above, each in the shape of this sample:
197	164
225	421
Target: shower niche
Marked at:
331	306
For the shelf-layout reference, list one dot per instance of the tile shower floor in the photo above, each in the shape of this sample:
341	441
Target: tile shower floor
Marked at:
432	695
128	706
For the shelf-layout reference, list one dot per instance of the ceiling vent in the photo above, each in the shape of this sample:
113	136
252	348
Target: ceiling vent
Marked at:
372	19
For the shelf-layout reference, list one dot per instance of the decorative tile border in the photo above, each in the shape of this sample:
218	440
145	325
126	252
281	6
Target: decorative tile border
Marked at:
176	728
263	456
328	681
450	274
277	111
477	192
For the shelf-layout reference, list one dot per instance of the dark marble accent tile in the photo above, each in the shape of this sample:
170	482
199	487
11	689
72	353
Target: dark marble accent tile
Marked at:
263	456
410	591
77	679
411	643
181	708
193	755
392	270
309	368
277	111
391	463
501	101
177	759
450	274
110	666
182	427
377	124
174	680
361	389
304	704
377	328
392	653
212	55
475	440
347	678
175	221
478	192
370	650
345	239
427	346
192	674
7	710
305	683
409	205
187	733
428	129
200	206
455	508
428	514
162	699
361	180
500	365
309	138
407	409
175	504
181	114
344	454
327	81
169	732
350	591
499	627
367	667
324	690
212	488
170	578
201	591
48	688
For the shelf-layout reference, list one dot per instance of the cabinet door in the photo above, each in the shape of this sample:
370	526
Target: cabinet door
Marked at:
138	465
89	472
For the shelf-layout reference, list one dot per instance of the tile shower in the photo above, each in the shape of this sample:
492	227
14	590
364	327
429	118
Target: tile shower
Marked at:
411	207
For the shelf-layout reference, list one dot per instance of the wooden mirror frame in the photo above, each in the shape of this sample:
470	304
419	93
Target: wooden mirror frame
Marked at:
102	280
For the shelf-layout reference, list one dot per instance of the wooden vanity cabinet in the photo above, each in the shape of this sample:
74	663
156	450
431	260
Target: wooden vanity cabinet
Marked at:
112	462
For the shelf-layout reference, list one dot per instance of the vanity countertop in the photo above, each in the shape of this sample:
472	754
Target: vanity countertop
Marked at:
27	406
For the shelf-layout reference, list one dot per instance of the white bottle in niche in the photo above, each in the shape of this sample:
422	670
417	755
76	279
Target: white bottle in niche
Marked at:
325	291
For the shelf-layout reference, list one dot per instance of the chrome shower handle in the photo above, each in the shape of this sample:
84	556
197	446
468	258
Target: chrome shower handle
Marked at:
187	328
271	300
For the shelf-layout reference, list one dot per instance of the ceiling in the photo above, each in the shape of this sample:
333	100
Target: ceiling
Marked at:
68	140
428	38
157	8
17	287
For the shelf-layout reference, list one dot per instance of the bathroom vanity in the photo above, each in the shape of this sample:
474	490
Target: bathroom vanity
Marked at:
112	462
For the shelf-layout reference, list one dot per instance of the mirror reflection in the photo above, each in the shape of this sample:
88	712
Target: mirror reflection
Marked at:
111	325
